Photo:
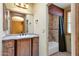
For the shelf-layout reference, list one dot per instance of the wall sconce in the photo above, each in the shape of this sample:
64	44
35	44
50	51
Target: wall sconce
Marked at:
36	21
22	5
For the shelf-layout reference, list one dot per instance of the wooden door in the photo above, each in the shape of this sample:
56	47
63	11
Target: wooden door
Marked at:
23	47
77	29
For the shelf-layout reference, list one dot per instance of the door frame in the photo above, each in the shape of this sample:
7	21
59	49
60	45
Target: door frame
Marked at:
77	29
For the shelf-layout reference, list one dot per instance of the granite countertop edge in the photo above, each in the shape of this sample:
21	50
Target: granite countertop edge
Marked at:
18	37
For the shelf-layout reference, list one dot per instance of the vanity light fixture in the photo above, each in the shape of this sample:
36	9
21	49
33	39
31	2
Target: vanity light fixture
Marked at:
22	5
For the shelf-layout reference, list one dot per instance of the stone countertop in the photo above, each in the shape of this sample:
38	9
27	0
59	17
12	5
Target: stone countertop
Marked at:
19	36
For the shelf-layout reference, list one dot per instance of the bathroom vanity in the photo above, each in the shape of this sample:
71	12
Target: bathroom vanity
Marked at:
16	22
20	45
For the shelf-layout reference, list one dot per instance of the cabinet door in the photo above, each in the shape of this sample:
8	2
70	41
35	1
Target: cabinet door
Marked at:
8	48
35	47
23	47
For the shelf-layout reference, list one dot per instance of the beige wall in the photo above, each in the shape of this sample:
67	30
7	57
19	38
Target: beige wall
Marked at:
30	23
1	26
68	43
73	29
41	27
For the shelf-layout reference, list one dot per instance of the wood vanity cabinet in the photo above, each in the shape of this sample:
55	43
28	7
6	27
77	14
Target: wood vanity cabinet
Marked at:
8	48
24	47
21	47
35	47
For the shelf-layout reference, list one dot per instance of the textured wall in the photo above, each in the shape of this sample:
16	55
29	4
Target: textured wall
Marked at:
53	27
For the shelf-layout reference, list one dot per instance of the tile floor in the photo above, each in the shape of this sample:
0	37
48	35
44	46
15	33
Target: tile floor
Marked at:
61	54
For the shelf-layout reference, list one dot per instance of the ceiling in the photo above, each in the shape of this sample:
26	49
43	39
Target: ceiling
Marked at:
62	5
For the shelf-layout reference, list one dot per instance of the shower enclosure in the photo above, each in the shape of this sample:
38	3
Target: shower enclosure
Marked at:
56	37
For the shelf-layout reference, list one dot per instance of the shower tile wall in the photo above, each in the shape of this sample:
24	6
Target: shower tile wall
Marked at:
53	27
